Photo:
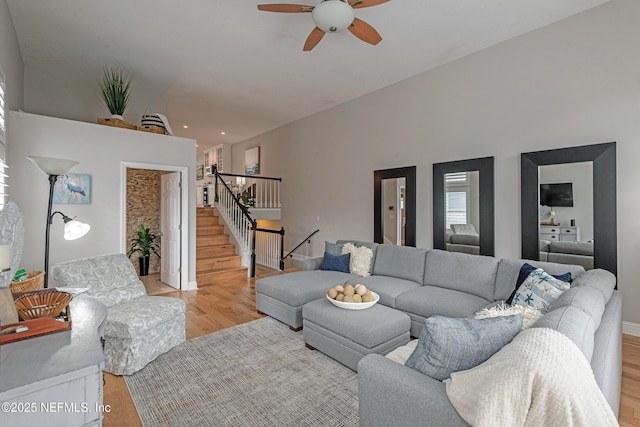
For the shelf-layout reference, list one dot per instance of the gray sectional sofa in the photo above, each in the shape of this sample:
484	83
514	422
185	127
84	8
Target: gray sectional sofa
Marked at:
577	253
423	283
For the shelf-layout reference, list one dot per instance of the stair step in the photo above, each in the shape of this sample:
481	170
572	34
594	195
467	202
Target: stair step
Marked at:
218	263
204	212
204	230
206	221
206	252
220	239
211	276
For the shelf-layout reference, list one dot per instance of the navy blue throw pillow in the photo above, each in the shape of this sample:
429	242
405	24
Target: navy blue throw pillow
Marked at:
525	270
336	262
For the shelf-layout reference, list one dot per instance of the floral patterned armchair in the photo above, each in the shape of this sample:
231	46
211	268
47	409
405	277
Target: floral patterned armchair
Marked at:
138	327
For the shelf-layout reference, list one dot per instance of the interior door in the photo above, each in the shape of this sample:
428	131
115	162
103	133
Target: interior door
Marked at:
170	224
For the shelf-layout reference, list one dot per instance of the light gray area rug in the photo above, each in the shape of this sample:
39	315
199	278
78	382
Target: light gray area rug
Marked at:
255	374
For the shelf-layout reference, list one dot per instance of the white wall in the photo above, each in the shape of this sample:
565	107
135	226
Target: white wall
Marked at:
572	83
11	60
100	151
581	176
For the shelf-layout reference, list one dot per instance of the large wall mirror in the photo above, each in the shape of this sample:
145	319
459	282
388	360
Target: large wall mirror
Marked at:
463	206
568	212
394	210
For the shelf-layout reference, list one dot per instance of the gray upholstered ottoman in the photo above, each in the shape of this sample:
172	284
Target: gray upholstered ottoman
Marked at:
349	335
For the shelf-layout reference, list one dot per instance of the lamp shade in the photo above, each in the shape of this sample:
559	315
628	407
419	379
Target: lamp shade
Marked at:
51	165
75	229
332	16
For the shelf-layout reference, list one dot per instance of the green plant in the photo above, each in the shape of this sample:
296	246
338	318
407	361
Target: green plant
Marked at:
144	242
115	89
247	200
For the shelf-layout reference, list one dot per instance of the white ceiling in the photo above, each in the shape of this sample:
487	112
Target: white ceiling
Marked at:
225	66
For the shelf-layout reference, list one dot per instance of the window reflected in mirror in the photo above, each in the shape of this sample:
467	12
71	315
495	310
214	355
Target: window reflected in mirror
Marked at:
462	211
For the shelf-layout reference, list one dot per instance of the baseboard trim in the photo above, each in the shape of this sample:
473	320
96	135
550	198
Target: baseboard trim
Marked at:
191	286
631	328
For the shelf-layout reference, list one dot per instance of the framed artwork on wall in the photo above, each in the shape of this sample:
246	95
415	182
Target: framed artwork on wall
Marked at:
252	161
72	188
200	172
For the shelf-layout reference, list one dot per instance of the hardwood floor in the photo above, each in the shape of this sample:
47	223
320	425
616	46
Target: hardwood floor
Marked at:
223	304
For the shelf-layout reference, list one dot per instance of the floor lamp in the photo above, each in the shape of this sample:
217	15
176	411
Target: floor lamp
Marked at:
72	229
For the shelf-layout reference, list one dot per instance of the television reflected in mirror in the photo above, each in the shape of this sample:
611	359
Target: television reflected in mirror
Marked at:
556	195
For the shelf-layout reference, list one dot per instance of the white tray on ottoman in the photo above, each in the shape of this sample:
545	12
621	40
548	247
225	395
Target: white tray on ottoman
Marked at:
349	335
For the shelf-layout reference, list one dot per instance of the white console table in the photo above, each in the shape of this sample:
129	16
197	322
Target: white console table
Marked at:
56	379
560	233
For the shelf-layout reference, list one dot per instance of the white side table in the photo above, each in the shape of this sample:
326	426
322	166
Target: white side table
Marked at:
56	380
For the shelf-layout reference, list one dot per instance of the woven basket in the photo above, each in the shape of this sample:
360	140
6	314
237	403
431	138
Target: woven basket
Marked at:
33	283
47	303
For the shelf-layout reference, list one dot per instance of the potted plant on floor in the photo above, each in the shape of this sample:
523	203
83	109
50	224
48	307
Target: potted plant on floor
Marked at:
144	242
115	89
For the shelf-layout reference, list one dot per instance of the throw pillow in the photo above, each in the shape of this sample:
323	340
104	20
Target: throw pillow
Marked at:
525	270
539	290
360	259
336	262
449	345
529	314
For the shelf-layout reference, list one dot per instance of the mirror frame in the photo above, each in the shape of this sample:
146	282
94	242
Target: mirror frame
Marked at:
603	156
409	174
484	165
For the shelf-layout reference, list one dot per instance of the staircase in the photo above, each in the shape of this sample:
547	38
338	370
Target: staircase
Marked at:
216	258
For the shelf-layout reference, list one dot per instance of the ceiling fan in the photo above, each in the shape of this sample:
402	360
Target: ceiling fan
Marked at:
332	16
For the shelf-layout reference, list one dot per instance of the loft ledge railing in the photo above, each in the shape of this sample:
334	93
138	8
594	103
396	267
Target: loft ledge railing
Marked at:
263	192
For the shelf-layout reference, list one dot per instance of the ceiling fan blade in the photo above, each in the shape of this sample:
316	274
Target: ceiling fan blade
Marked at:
359	4
314	38
364	32
285	8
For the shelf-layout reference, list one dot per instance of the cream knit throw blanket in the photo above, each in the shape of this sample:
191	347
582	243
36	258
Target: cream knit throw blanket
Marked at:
540	379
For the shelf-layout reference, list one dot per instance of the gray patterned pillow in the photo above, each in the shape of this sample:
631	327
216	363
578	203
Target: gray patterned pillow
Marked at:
449	345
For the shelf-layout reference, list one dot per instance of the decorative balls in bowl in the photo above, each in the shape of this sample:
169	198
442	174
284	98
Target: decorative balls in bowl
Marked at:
352	297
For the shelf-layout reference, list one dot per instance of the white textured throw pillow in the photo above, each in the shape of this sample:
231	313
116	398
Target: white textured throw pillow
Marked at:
360	263
529	314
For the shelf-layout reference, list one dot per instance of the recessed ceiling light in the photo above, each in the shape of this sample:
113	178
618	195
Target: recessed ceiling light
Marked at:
185	126
223	133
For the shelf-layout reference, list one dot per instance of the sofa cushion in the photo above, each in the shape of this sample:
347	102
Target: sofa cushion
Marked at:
602	280
336	262
361	259
426	301
509	268
525	271
539	290
467	229
403	262
333	248
388	288
449	345
586	299
574	323
473	274
577	248
465	239
300	287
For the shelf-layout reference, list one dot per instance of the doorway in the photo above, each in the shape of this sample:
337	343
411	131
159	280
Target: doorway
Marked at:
153	196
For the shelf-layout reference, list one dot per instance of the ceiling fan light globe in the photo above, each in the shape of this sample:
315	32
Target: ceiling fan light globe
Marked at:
333	16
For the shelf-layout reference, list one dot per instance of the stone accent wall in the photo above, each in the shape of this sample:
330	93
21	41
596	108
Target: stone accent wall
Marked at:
143	207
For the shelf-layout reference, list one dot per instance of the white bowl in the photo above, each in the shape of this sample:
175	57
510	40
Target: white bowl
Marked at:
355	305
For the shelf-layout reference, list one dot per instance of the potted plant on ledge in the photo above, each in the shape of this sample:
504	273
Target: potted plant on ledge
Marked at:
144	242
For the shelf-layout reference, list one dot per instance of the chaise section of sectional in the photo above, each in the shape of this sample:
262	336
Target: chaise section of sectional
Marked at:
283	296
